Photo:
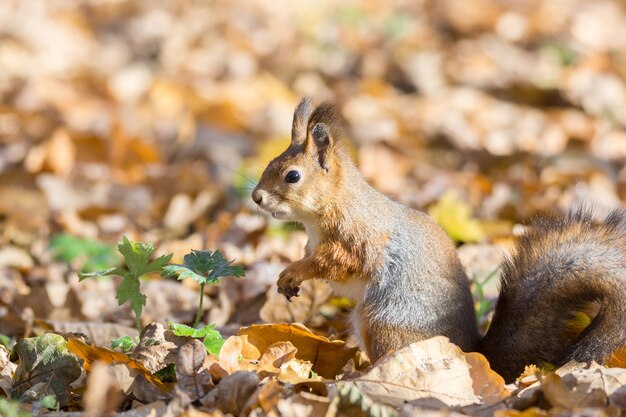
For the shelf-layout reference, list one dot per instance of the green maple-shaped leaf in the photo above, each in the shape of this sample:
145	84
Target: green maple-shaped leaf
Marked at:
204	267
137	263
137	257
129	290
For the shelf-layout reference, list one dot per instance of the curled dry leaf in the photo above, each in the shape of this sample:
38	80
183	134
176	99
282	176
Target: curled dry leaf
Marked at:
327	357
350	400
155	356
92	354
302	309
276	355
303	404
102	396
193	377
7	368
233	392
98	333
236	353
617	359
295	371
597	387
432	369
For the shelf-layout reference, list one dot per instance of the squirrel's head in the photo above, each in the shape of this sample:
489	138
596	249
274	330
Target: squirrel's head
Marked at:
298	183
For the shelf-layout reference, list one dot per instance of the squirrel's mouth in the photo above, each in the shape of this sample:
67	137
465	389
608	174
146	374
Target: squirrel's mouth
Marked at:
278	214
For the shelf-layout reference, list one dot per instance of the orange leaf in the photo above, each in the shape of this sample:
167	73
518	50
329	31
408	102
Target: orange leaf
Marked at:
617	359
327	357
91	354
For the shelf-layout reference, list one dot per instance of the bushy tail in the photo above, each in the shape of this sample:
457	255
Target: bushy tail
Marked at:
563	295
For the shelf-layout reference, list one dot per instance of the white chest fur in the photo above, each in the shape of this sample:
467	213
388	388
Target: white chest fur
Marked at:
353	289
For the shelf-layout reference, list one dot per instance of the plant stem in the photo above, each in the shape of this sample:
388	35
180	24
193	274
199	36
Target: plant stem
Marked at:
200	306
138	321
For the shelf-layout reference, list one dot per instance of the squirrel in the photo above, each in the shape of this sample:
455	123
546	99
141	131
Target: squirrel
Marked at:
404	274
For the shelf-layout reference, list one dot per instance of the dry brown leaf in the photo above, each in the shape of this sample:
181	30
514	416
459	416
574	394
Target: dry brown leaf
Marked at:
617	359
7	368
192	376
596	387
487	384
269	395
529	412
303	404
327	357
431	369
236	353
295	371
302	309
58	154
103	395
233	392
92	354
276	355
98	333
155	356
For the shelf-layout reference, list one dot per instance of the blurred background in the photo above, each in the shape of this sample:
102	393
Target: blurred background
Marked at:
154	119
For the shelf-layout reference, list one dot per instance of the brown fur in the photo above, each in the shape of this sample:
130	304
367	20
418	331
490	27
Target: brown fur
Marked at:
405	275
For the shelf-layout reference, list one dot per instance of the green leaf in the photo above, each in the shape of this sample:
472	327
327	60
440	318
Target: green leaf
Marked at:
46	366
204	267
11	409
137	257
167	374
213	340
94	255
455	217
184	330
50	402
129	291
213	343
106	272
125	342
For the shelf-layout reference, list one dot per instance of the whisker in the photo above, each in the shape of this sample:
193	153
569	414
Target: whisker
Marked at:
253	183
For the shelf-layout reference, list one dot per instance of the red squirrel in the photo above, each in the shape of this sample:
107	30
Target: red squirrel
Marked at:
404	274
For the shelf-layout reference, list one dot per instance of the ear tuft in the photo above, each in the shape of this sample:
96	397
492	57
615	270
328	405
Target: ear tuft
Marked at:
300	118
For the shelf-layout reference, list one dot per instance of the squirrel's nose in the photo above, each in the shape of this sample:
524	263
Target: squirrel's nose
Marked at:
257	196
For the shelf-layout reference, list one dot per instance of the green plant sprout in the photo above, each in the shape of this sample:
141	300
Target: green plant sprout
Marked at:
137	263
204	267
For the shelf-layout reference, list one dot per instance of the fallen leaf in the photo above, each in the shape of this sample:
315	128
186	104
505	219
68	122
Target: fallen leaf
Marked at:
431	369
233	392
617	359
455	217
102	396
327	357
276	355
45	360
192	376
235	352
302	309
91	354
352	401
303	404
596	387
7	368
295	371
158	347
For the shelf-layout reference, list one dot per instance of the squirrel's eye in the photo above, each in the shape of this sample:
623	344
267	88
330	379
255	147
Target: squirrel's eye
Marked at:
292	177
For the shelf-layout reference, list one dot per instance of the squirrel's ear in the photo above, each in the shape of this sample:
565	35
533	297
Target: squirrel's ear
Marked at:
300	118
323	142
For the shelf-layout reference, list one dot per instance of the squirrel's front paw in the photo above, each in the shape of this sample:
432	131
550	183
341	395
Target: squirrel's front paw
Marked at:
289	284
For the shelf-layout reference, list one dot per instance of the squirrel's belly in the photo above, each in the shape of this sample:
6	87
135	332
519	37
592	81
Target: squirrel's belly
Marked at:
353	289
